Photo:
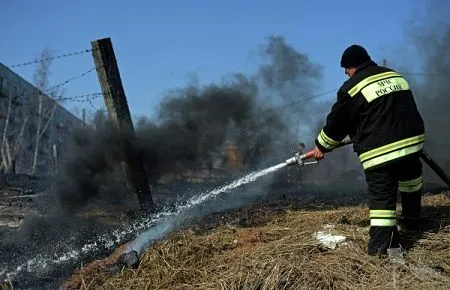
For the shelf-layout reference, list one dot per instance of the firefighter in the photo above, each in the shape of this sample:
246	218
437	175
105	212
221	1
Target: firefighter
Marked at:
375	107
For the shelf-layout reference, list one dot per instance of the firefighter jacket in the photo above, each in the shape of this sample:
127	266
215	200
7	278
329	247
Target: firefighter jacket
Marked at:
376	109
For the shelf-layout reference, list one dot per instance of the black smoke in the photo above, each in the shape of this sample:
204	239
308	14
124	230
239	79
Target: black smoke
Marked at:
260	114
429	36
195	126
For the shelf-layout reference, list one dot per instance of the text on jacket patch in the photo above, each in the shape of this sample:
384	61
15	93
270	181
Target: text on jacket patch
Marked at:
384	87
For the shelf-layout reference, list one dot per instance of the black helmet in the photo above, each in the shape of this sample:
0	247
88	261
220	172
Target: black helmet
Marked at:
354	56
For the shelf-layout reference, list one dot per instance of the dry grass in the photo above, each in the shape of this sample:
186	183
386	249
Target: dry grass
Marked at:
284	254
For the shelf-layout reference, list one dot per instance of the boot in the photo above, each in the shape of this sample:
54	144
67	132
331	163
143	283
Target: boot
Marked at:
381	239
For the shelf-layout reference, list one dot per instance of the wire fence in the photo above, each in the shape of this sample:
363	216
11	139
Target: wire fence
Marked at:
89	97
51	58
71	79
30	98
29	113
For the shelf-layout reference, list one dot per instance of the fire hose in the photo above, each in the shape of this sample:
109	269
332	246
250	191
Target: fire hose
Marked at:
300	160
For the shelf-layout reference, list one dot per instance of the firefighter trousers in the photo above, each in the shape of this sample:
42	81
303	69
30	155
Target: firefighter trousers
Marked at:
383	184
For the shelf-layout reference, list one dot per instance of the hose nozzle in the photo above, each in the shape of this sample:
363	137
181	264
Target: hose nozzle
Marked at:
299	159
294	160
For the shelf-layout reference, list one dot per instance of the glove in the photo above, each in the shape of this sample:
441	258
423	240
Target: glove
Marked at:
319	155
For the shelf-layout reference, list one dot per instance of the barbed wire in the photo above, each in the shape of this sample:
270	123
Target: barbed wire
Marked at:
90	97
79	98
52	87
48	91
424	74
51	58
312	97
92	106
307	99
69	80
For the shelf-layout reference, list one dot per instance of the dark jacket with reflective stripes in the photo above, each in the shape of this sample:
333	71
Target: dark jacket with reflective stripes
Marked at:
376	109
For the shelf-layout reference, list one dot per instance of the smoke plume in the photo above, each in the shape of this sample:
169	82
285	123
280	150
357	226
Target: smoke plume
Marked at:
261	115
431	40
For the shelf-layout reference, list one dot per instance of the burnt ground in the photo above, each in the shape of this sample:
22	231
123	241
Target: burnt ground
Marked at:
28	228
16	197
31	227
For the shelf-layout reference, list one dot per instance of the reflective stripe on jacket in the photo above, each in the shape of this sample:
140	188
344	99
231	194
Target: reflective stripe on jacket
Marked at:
376	108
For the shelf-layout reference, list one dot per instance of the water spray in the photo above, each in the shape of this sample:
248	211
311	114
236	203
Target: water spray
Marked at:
130	257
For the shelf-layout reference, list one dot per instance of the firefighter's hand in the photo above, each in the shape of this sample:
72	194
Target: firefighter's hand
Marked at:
319	155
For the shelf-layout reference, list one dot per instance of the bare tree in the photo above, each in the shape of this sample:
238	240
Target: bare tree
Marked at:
6	160
12	135
14	150
46	106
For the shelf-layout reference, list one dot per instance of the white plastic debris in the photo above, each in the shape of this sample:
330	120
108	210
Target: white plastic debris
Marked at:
328	239
396	256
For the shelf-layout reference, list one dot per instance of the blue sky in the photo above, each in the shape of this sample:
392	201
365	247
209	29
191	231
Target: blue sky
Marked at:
161	45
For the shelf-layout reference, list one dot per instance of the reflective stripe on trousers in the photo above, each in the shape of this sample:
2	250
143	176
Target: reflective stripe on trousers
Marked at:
383	218
412	185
